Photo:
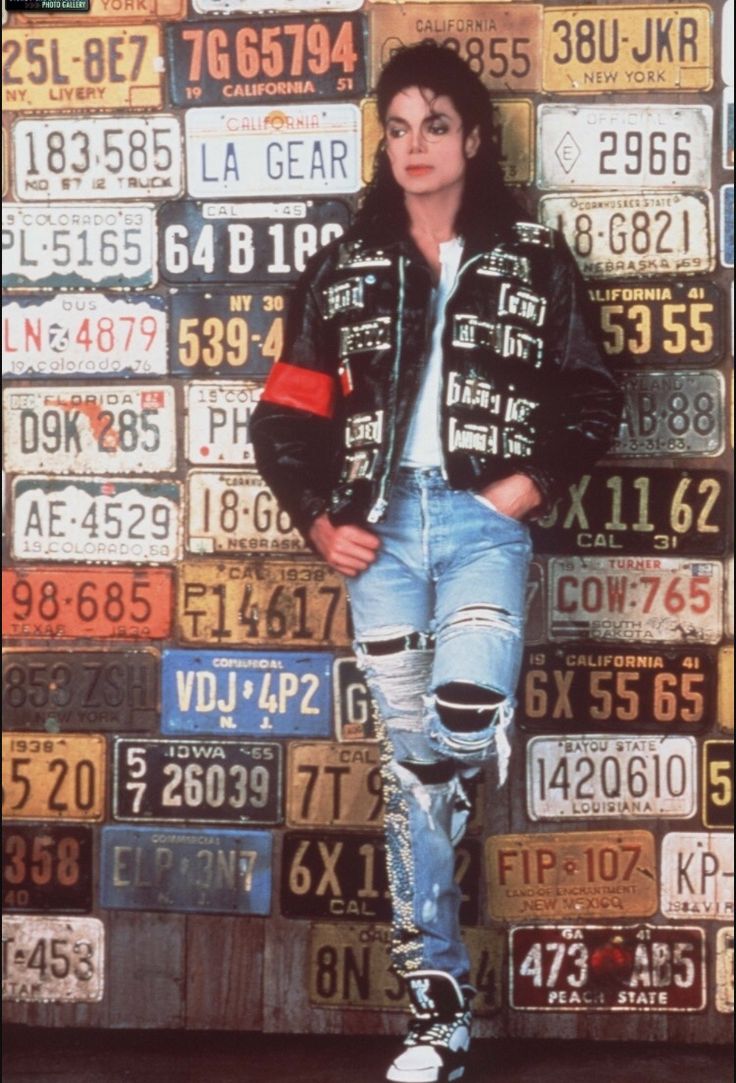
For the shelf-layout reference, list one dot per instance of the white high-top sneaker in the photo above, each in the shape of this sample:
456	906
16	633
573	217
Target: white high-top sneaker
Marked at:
436	1047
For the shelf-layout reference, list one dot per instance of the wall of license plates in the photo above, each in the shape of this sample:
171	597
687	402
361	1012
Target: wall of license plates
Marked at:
190	782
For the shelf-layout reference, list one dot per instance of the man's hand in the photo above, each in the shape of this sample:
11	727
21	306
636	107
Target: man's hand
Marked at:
514	496
347	549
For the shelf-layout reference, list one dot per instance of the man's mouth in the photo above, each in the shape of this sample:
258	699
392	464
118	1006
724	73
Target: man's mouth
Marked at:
418	170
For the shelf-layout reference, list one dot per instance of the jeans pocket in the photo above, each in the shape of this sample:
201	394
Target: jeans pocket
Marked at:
486	503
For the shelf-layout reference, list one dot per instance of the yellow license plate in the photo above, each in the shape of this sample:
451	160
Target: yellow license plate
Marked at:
268	603
585	874
333	785
53	777
514	127
725	689
350	967
70	68
621	48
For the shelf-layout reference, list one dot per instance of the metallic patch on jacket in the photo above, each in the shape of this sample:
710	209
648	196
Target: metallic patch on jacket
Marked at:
522	303
356	254
472	391
518	444
370	335
362	429
531	233
502	264
359	465
346	296
514	342
518	410
467	436
468	332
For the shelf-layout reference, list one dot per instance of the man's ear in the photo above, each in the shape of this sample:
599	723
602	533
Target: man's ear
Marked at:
472	142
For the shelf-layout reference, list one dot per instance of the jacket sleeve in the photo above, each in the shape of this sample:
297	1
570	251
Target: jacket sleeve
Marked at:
293	427
586	401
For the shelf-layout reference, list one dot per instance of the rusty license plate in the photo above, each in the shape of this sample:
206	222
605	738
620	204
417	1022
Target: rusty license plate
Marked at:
353	706
350	967
724	971
300	59
218	421
47	867
582	685
725	689
623	48
501	42
674	414
675	323
74	68
236	512
87	603
571	875
53	777
49	959
333	785
268	603
598	777
70	690
611	968
229	334
203	782
697	876
717	784
636	600
326	875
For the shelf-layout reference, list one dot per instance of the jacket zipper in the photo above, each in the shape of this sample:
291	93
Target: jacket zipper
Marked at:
379	507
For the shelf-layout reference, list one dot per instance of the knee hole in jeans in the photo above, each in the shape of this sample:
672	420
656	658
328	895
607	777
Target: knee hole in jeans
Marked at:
464	707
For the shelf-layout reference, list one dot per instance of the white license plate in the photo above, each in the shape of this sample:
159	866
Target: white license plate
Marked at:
678	414
64	245
273	150
724	970
218	421
87	334
597	777
94	430
635	599
109	521
97	158
53	959
256	7
624	146
236	512
630	235
697	876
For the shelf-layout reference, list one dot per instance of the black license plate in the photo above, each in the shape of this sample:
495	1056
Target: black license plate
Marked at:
229	334
47	867
718	784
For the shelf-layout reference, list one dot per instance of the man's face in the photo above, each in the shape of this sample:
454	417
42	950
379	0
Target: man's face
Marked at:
425	143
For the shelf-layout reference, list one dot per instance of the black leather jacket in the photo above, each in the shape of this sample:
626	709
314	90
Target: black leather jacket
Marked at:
525	385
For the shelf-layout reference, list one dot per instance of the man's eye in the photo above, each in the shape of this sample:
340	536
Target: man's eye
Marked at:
438	129
395	133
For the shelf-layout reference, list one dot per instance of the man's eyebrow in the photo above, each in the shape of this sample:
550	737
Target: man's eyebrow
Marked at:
434	115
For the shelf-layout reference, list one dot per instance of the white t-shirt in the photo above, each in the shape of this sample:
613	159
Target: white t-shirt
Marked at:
423	446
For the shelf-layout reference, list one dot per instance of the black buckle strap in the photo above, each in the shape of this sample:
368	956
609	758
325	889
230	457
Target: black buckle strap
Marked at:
412	641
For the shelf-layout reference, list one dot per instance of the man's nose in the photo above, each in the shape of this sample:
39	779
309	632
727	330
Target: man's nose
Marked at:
417	141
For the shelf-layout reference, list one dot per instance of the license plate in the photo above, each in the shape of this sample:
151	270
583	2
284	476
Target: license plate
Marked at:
120	11
218	421
646	233
718	784
255	7
614	968
70	247
620	48
675	414
236	512
624	146
724	970
333	785
201	782
57	69
672	323
53	777
641	510
262	150
582	685
47	867
725	689
245	242
353	707
304	59
579	874
343	876
350	967
70	690
727	128
656	600
254	694
174	869
105	521
130	429
87	603
227	334
264	603
597	777
725	219
501	43
535	626
697	876
53	959
89	335
93	158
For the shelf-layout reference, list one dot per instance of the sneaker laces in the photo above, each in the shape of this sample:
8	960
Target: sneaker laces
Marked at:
436	1033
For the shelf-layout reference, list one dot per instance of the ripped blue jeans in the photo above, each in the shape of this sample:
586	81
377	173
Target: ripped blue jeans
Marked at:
439	622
